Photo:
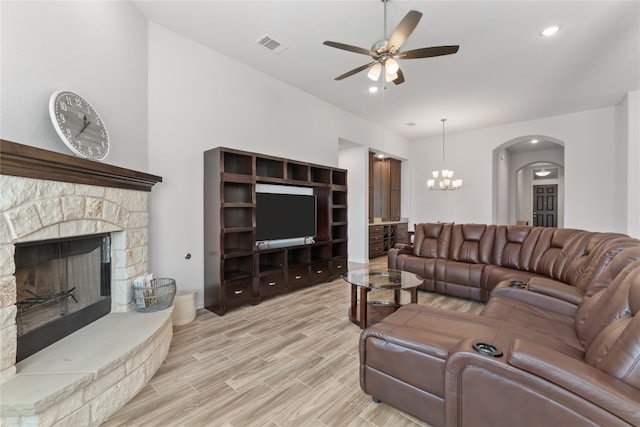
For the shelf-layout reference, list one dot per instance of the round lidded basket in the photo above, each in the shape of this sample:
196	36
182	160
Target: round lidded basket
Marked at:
157	296
184	307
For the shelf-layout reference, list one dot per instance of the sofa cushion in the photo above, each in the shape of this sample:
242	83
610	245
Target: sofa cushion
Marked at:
616	349
431	240
472	243
556	330
413	343
549	255
514	245
596	312
459	279
587	256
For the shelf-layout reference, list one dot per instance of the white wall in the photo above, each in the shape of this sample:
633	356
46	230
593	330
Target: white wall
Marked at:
356	161
632	113
97	49
200	99
590	161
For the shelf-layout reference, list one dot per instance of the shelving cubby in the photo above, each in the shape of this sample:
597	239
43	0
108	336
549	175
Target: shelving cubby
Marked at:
268	168
297	172
236	271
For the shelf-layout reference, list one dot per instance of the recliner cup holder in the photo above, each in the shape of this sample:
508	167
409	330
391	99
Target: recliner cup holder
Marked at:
487	349
518	284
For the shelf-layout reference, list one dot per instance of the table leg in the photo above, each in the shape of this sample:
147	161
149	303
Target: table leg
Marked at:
363	307
354	302
414	295
396	297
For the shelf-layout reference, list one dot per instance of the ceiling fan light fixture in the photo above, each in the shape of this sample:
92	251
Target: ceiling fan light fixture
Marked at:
390	77
374	72
391	66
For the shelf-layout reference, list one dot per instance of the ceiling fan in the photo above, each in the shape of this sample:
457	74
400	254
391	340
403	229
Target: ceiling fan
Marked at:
385	52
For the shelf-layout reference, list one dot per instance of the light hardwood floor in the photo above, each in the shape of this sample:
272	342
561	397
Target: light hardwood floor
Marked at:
288	361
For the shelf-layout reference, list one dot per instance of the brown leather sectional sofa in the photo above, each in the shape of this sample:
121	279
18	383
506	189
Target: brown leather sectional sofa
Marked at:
558	343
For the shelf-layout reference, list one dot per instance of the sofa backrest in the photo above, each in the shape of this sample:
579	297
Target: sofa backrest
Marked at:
606	303
472	243
591	273
431	240
616	348
554	249
513	245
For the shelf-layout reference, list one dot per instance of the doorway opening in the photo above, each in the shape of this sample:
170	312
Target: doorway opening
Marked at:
521	167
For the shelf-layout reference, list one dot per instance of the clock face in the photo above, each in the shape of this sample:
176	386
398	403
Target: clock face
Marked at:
79	125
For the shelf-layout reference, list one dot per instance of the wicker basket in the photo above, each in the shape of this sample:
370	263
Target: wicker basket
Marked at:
156	297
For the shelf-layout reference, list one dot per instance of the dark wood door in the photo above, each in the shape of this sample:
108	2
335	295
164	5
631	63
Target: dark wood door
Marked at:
372	162
545	205
395	185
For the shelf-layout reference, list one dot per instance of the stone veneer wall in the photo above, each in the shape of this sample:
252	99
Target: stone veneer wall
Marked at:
34	209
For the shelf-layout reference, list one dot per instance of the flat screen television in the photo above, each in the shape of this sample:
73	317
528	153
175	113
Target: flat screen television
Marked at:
285	216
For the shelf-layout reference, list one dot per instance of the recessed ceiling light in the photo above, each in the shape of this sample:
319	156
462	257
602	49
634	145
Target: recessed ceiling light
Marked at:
410	124
373	89
534	141
549	31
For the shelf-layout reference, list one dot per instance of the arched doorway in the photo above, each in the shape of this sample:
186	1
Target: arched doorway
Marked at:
515	163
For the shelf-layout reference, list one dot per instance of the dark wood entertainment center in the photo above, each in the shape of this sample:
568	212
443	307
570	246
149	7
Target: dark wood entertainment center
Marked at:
235	271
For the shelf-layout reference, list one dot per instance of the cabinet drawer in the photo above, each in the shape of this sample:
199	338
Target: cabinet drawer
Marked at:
298	277
376	250
319	272
374	239
375	229
338	266
402	237
272	284
403	226
376	246
237	293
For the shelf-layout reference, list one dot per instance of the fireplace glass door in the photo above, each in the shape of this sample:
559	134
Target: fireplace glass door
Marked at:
61	286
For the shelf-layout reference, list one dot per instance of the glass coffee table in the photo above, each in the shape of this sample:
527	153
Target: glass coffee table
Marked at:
365	280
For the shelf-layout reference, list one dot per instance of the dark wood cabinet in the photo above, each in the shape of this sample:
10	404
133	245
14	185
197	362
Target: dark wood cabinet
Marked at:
385	188
384	236
236	272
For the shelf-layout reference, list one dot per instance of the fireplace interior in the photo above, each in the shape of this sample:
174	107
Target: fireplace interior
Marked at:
62	286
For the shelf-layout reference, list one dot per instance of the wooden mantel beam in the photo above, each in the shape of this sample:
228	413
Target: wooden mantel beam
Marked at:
32	162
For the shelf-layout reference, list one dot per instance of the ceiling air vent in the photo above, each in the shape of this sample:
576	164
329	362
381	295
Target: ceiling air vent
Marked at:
271	44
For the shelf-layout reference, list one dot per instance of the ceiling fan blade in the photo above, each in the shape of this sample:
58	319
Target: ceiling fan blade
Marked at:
403	31
400	79
350	48
428	52
355	71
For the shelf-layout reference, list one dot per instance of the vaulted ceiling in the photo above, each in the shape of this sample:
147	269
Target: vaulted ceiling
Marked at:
504	72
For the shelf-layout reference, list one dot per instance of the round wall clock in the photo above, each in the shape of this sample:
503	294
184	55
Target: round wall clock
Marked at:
79	125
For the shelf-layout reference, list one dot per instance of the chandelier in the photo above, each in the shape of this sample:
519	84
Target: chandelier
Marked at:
443	179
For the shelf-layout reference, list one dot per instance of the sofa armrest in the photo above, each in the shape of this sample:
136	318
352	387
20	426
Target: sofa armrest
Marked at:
578	377
555	289
395	251
533	385
531	294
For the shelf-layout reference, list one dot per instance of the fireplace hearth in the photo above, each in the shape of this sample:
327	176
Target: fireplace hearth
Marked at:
62	285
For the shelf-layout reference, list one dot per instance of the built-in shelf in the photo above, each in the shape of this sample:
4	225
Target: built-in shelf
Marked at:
236	271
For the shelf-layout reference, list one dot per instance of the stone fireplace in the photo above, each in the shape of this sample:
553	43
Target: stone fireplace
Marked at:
47	196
